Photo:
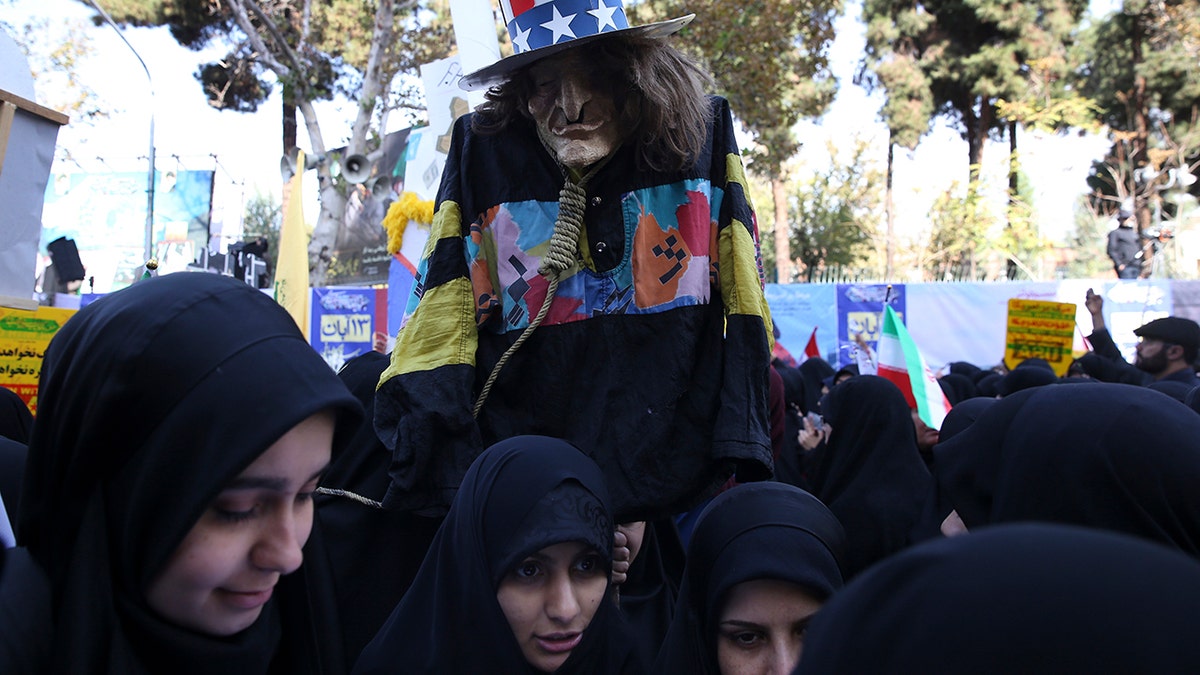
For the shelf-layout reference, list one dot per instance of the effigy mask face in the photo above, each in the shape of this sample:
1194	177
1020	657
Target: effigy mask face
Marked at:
574	110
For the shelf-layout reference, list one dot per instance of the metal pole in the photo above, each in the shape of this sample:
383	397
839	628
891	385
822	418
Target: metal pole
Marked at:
149	241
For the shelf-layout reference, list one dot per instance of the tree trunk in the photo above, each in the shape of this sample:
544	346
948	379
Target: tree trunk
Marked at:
783	247
288	113
1141	196
889	205
1010	268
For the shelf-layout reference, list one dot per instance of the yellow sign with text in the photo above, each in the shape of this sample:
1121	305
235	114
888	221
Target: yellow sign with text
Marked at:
24	336
1040	329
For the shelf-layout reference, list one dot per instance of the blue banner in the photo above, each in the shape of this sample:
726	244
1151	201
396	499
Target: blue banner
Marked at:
860	312
798	308
345	322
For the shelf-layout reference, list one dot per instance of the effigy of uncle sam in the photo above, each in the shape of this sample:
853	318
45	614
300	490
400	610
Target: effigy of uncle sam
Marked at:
592	274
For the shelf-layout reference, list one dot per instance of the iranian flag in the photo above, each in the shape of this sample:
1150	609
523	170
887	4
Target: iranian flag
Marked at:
901	362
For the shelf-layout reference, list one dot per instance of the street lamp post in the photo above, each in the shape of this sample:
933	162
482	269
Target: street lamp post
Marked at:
149	241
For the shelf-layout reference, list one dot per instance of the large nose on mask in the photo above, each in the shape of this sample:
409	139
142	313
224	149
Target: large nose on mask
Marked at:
573	95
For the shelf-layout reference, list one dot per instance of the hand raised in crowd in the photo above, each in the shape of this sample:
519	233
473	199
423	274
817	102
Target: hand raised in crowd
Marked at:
813	432
627	542
1095	306
1093	302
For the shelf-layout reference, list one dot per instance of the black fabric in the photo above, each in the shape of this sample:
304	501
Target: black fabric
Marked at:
1173	388
757	531
938	506
871	474
150	400
1019	379
26	626
373	553
1029	598
12	470
15	419
1109	456
669	403
1185	376
1192	399
449	621
790	464
957	387
651	586
814	370
989	384
964	368
1123	248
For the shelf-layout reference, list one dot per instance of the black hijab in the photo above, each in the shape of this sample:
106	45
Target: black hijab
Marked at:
957	387
790	464
373	553
1029	598
1112	456
870	473
970	370
151	400
15	419
938	507
814	370
754	531
518	497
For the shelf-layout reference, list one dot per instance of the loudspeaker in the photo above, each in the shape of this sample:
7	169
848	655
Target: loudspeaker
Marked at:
380	187
287	163
65	256
356	168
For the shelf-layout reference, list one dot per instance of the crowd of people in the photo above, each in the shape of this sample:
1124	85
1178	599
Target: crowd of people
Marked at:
581	456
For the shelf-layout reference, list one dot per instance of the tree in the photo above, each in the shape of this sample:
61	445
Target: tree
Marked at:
264	218
1140	69
315	50
1087	244
891	61
962	234
54	51
770	59
832	214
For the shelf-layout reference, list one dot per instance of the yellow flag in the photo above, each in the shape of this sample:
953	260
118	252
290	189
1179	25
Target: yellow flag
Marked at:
291	271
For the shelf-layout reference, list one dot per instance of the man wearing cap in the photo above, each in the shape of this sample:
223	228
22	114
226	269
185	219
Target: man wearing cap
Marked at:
1166	351
592	273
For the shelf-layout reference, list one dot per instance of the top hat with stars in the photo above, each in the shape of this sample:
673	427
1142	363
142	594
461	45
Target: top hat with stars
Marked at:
541	28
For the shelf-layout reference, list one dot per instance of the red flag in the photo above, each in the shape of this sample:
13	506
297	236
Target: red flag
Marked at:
811	350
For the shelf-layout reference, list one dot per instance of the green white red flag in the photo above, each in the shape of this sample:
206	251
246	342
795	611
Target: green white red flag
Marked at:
901	362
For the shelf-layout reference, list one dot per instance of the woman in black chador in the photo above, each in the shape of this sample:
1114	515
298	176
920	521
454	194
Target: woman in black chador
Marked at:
517	578
183	425
761	562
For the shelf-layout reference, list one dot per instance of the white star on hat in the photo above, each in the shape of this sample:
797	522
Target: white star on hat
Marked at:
560	25
521	40
604	16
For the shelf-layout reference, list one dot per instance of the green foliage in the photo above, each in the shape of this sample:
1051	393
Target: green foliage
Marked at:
1020	242
959	58
318	50
1087	243
1166	57
54	51
833	213
962	234
264	217
769	58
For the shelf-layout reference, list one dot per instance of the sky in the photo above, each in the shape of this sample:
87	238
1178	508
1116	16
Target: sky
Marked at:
244	149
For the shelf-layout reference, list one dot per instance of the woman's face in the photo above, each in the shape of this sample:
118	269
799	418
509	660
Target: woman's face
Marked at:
549	599
223	572
761	628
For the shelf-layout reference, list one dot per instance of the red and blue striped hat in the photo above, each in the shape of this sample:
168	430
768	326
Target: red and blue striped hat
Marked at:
540	28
